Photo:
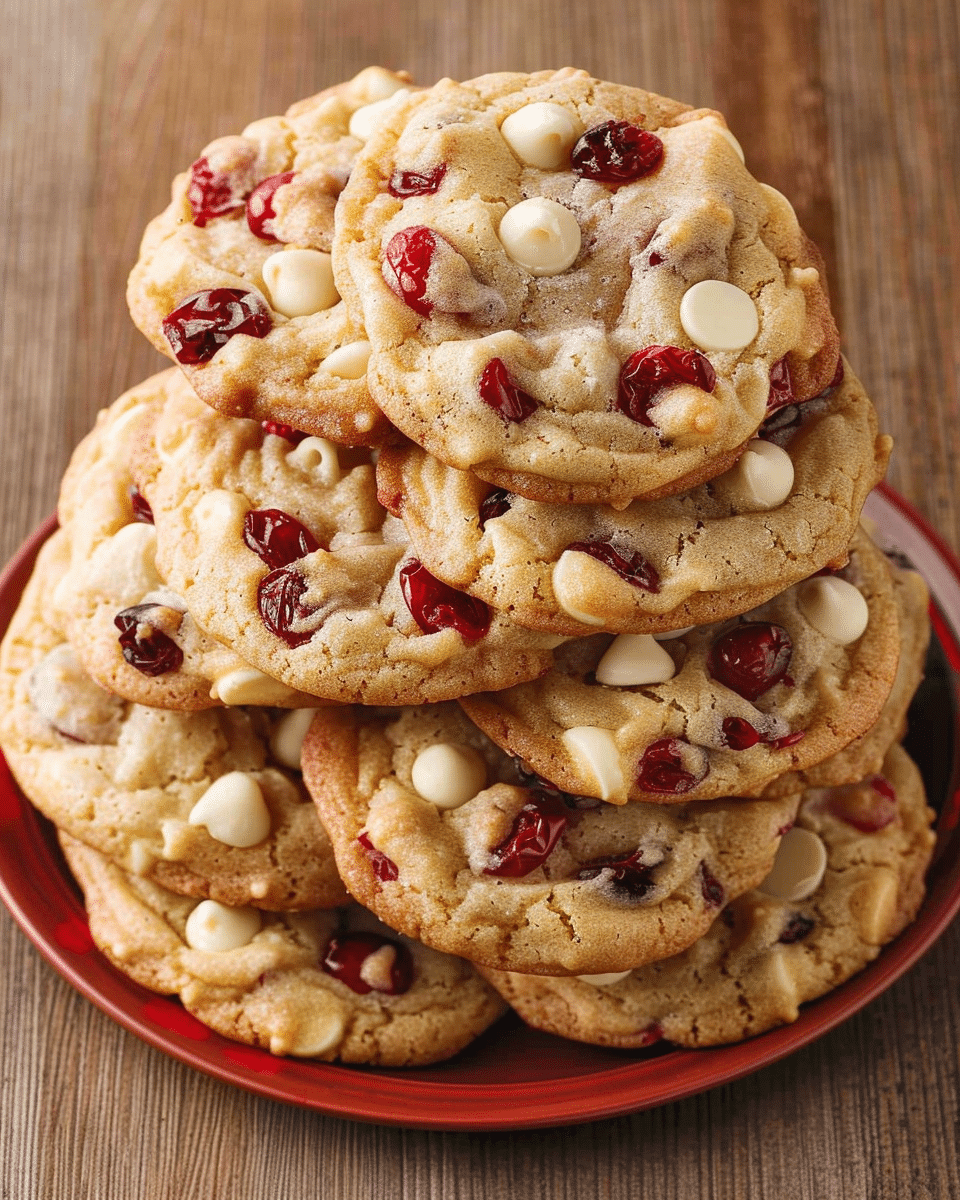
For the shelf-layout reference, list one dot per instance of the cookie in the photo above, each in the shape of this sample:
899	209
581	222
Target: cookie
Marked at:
716	710
786	510
281	551
849	880
206	803
234	280
576	289
318	984
446	839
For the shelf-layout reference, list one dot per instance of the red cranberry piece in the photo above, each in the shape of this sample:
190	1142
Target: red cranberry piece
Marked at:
260	210
533	835
345	956
646	372
205	321
711	888
407	261
665	768
616	152
140	505
781	386
499	391
145	647
494	505
627	876
867	806
796	929
739	734
655	259
385	869
276	537
750	658
652	1033
416	183
280	602
788	739
435	605
278	429
211	193
635	569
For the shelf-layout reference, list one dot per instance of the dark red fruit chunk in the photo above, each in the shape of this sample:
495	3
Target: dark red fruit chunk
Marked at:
206	321
616	152
407	261
385	869
711	888
499	391
346	955
781	386
635	569
140	505
435	605
533	835
867	806
494	505
788	739
652	1033
646	372
662	768
796	929
416	183
739	734
655	259
627	875
211	193
145	647
750	658
279	600
276	537
278	429
260	210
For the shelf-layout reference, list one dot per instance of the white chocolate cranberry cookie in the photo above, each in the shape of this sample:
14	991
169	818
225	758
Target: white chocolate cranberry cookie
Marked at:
788	508
234	280
576	289
716	710
847	879
446	839
281	551
317	984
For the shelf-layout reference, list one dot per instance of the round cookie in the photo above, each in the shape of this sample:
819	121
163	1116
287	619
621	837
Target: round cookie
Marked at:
767	953
269	981
787	509
197	802
234	279
446	839
608	324
717	710
281	551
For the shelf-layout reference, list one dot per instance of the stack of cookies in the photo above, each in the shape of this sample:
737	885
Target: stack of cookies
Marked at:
478	612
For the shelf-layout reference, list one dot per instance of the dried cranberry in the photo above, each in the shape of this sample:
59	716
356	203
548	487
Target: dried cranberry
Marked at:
635	569
407	260
260	210
646	372
211	193
781	386
416	183
650	1035
279	600
739	734
278	429
796	929
276	537
655	259
616	152
533	835
867	806
435	605
204	322
627	875
140	505
750	658
150	650
499	391
711	888
345	956
385	869
494	505
788	739
663	769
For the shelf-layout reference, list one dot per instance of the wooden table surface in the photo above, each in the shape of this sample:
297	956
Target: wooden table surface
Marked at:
848	106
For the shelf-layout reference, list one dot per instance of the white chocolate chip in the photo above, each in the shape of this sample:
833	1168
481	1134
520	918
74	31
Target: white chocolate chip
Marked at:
217	510
247	685
716	315
798	867
778	205
320	1032
349	361
834	608
376	967
667	634
595	752
542	135
634	659
606	979
140	857
541	235
233	810
448	774
214	926
367	120
300	282
375	83
286	741
763	475
567	578
317	456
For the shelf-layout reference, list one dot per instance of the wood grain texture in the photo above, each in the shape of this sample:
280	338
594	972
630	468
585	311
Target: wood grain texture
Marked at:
849	108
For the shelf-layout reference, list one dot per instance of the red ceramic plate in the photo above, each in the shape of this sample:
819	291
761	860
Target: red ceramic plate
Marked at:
512	1077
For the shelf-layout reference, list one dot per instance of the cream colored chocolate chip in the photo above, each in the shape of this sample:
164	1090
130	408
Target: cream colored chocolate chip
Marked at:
318	1033
873	906
567	582
376	967
317	456
214	926
667	635
376	83
286	741
763	474
834	608
606	979
367	120
247	685
633	659
299	282
798	867
349	361
778	205
716	315
541	235
217	510
233	810
448	774
542	135
595	753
